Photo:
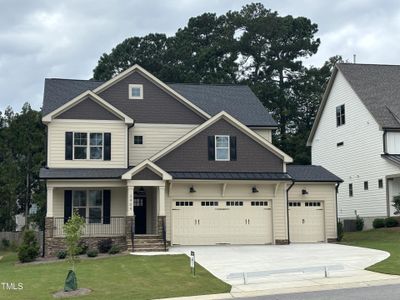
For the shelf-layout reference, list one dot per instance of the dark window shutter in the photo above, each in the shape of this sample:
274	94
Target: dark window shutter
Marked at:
68	145
106	206
107	146
211	148
67	205
232	147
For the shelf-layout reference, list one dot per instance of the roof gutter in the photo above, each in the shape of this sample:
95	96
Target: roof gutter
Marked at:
287	209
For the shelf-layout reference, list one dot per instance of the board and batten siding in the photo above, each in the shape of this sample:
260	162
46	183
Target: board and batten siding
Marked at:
56	143
325	193
233	191
359	159
265	133
155	138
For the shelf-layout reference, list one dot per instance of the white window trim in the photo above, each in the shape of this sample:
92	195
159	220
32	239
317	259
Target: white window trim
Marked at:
341	115
140	86
87	207
88	146
138	145
215	148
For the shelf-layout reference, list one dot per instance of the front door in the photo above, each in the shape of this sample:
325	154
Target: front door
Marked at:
140	214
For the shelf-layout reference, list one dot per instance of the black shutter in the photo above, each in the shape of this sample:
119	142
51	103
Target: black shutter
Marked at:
68	146
67	205
211	148
106	206
232	146
107	146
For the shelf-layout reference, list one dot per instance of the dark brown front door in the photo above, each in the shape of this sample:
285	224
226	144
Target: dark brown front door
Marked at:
140	214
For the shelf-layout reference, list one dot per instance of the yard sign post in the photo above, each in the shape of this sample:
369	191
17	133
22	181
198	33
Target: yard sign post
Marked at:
192	263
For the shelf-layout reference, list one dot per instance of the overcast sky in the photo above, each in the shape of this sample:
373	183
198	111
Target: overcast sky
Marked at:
57	38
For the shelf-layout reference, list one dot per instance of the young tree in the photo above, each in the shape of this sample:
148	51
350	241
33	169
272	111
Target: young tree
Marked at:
73	232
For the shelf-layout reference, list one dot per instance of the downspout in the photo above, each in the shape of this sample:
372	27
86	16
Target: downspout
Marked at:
337	212
127	143
287	209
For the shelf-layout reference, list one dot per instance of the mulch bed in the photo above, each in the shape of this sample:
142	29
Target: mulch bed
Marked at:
78	292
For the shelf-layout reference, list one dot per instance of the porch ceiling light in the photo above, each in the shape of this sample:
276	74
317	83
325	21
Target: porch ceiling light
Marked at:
304	192
254	189
192	190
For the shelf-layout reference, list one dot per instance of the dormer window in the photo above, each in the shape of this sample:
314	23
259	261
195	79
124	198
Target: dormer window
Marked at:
136	91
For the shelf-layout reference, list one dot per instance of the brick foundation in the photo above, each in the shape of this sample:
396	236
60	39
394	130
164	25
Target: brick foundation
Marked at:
281	242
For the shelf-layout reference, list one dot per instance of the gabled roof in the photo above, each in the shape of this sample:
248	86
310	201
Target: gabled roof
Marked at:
223	115
237	100
48	117
146	164
377	86
311	173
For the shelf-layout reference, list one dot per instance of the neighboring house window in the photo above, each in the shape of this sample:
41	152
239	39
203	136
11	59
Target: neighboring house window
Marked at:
350	190
222	147
96	146
380	183
135	91
340	115
366	185
80	145
88	204
340	144
138	140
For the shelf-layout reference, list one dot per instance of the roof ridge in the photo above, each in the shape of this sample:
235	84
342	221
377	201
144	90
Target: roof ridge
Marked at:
72	79
367	64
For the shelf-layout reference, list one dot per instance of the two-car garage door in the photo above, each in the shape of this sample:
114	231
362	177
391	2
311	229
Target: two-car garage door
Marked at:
207	222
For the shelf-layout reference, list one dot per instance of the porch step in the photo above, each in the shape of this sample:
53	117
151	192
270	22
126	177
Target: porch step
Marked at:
146	243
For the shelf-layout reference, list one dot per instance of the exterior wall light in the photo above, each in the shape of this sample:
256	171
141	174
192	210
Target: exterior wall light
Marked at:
304	192
254	189
192	190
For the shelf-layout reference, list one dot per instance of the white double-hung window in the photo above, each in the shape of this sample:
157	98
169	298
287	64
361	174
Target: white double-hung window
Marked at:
84	149
88	204
222	147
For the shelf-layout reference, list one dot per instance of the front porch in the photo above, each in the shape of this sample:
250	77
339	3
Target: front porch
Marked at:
127	211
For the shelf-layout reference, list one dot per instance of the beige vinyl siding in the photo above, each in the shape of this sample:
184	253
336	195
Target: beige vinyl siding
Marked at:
319	192
233	191
118	200
265	133
56	143
359	159
155	138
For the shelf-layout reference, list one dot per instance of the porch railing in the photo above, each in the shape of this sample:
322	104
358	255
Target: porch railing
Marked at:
113	226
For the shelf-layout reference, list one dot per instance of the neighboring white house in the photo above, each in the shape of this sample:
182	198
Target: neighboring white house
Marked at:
356	135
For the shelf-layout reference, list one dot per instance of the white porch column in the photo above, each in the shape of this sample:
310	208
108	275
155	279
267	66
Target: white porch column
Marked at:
49	202
129	201
161	200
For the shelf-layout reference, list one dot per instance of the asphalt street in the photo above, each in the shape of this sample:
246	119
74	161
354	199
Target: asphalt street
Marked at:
386	292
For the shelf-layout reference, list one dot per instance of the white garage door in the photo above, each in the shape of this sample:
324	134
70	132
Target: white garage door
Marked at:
211	222
306	221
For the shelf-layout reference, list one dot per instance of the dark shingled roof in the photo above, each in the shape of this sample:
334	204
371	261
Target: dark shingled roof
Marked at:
231	175
311	173
378	88
61	173
394	158
237	100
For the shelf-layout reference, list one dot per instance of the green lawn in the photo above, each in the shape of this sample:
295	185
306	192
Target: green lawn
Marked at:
123	277
387	239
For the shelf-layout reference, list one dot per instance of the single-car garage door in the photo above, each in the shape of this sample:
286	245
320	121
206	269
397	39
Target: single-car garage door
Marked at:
208	222
306	221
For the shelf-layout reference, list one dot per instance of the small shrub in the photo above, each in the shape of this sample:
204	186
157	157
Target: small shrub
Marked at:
83	247
61	254
340	231
396	204
105	245
5	243
114	249
359	223
378	223
92	253
391	222
29	249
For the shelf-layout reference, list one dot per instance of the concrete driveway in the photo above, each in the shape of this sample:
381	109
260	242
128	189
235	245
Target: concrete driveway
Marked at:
225	260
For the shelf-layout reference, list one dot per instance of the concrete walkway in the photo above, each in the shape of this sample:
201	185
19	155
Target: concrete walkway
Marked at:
225	260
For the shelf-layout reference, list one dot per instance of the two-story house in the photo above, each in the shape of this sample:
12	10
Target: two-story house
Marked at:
150	164
356	135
